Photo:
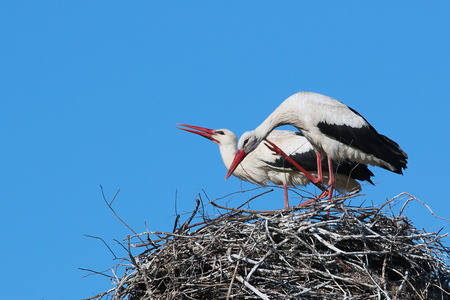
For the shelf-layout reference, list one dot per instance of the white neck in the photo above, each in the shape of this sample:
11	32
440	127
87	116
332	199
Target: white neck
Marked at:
283	115
227	151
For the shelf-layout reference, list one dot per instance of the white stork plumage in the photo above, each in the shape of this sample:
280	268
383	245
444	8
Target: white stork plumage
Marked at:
333	129
261	166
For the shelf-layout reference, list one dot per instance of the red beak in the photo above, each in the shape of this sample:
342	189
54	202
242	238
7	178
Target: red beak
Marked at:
204	132
240	155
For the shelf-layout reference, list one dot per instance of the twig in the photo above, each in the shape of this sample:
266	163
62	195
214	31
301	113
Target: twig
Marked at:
251	287
412	198
95	272
233	277
117	216
96	237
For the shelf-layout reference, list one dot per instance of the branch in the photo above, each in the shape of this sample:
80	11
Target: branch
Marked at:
110	207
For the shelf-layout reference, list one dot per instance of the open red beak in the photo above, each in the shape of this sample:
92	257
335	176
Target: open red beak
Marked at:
204	132
240	155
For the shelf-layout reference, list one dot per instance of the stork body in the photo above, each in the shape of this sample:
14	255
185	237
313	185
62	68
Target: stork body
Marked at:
262	167
332	128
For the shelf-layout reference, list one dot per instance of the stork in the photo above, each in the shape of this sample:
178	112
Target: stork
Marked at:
261	166
333	129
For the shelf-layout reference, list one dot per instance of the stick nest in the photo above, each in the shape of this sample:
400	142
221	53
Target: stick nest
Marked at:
325	251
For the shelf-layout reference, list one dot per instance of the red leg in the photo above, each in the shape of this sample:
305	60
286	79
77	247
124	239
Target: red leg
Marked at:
286	199
331	180
278	151
331	183
319	168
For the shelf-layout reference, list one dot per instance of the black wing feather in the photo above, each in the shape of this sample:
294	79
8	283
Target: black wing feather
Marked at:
308	160
368	140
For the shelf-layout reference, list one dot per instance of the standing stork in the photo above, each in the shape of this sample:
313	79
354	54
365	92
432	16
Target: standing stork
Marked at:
333	129
261	166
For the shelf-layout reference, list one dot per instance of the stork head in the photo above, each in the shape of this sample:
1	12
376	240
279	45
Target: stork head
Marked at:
248	142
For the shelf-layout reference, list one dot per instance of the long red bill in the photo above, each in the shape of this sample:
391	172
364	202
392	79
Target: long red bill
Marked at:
240	155
202	131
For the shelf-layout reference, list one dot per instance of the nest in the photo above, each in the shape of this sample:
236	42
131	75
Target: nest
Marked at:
329	250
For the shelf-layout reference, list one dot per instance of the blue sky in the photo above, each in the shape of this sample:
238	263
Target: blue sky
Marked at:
91	92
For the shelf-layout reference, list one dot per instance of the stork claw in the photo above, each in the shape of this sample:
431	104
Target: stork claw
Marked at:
320	197
274	148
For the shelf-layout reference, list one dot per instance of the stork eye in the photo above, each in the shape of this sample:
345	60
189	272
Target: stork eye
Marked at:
219	132
245	143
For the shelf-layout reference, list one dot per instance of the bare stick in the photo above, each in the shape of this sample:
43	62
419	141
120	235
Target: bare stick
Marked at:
96	237
117	216
251	287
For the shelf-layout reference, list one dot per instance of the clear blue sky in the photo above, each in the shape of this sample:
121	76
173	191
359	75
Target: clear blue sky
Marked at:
91	92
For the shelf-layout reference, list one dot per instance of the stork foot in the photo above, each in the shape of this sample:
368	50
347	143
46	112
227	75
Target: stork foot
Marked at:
328	192
277	151
274	148
320	197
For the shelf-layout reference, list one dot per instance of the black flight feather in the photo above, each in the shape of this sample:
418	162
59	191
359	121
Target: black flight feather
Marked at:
368	140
